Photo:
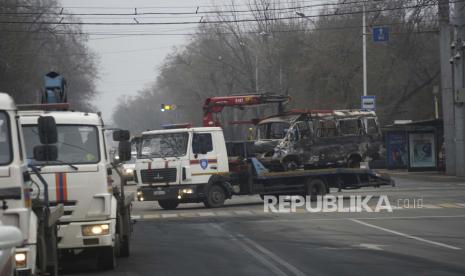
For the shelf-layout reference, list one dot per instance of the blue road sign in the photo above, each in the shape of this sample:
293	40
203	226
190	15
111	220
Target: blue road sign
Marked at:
380	34
369	103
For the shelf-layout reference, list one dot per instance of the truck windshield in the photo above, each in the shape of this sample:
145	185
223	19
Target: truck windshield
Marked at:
77	144
5	145
164	145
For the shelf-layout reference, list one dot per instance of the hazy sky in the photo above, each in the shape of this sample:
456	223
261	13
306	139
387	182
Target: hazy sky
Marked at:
128	63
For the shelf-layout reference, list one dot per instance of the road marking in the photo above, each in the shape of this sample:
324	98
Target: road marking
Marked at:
188	215
370	246
431	206
276	270
364	218
406	235
243	212
271	255
206	214
169	215
224	213
149	216
461	204
448	205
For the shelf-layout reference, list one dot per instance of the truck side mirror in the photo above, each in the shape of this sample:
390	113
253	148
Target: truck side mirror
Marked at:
121	135
124	151
47	130
45	153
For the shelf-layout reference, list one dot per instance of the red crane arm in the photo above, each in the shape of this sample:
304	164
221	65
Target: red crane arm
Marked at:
216	104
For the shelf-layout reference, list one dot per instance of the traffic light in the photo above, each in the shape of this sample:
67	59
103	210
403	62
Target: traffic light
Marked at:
167	107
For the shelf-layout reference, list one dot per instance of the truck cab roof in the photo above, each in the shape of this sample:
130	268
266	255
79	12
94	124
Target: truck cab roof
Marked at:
62	117
192	129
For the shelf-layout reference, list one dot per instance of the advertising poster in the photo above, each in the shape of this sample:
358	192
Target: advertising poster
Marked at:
422	150
397	150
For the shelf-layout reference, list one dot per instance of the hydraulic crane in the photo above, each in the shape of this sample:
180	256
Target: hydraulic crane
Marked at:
215	105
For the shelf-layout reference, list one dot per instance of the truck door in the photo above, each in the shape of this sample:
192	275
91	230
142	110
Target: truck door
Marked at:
203	159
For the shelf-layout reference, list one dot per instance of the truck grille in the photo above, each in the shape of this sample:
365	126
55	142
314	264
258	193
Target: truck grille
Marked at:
158	175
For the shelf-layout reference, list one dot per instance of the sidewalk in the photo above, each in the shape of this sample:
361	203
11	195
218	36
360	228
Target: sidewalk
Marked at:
431	176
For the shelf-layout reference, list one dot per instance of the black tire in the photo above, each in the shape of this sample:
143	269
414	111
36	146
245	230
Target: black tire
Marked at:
53	269
215	197
314	188
106	258
41	260
290	165
168	204
125	247
125	237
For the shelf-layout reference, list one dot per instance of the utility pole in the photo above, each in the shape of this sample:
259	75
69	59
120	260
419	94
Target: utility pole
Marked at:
364	38
458	65
446	86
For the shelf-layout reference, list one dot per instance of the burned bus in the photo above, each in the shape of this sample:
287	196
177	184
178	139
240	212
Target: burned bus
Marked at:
319	138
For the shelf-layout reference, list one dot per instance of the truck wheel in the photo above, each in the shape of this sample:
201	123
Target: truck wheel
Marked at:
41	255
315	187
215	197
106	259
125	237
168	204
290	165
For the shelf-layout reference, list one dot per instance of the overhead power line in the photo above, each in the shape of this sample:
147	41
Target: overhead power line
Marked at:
194	11
222	21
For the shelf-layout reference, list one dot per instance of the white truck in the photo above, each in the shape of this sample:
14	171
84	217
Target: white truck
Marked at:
97	211
36	220
192	165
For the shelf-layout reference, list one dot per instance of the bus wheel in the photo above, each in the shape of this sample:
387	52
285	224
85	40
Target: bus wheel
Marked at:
215	197
315	187
168	204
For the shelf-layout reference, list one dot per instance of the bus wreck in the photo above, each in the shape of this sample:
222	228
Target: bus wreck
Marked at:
319	138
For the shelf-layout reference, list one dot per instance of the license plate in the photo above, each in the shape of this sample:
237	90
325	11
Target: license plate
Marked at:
158	192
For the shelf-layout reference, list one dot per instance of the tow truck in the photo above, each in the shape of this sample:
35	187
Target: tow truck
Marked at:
34	217
184	164
97	210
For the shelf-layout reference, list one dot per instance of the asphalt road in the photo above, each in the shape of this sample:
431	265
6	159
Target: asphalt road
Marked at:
241	239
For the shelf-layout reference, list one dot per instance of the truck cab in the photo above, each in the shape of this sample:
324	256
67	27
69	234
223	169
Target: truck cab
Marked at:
182	165
85	181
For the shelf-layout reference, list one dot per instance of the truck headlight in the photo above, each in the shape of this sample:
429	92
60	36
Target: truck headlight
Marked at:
186	191
95	230
21	259
129	171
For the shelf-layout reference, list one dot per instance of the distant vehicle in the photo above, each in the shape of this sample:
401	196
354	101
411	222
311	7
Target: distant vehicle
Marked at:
129	166
192	165
319	138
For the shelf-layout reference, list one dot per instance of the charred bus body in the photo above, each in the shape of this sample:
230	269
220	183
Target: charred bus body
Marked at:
319	138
